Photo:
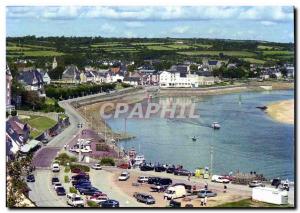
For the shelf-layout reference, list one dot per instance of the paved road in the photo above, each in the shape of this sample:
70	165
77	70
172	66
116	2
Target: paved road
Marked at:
42	192
44	156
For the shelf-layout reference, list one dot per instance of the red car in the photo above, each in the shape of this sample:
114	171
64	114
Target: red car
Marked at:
124	166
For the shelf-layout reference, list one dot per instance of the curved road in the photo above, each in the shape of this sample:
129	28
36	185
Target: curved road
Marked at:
42	192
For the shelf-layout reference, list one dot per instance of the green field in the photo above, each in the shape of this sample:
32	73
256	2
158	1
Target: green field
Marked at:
42	53
216	53
110	44
147	43
179	46
159	48
254	60
38	124
265	47
204	45
249	203
274	52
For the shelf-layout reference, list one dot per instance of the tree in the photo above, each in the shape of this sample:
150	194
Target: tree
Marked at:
284	72
56	73
193	68
32	99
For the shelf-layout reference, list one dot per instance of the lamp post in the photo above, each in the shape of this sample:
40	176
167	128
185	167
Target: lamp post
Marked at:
79	126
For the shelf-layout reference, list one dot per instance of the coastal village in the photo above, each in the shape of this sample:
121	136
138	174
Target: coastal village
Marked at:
93	147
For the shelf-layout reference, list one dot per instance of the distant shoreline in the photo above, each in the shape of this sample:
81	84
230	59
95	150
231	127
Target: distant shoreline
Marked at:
282	111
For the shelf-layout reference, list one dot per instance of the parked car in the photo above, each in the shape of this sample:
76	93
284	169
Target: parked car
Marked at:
170	169
207	193
124	176
174	192
76	170
55	180
142	179
76	182
276	182
219	179
153	180
57	185
144	198
182	172
96	166
55	167
99	198
124	166
89	191
30	178
146	167
189	205
255	183
162	184
110	204
80	176
83	185
74	200
159	168
186	186
60	191
174	204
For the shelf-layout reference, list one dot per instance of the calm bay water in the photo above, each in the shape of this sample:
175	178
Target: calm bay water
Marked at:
248	139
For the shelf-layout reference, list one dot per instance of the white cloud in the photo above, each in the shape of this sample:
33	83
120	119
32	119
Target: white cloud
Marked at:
267	23
160	13
180	29
134	24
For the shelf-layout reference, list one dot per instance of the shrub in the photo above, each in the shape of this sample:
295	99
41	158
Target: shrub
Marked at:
73	190
92	204
82	168
64	159
67	169
67	180
107	161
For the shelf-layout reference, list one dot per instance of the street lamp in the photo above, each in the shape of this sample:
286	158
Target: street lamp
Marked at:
79	126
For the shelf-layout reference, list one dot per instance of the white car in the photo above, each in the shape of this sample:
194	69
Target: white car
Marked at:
99	199
57	185
55	167
96	166
142	179
124	176
219	179
75	200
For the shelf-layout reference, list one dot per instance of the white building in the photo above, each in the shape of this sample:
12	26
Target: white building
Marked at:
177	79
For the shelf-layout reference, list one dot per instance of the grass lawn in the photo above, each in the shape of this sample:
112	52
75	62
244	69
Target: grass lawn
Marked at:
49	101
109	44
253	60
216	53
249	203
38	124
204	45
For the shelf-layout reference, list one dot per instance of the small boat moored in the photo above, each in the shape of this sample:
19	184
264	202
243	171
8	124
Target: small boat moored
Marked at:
215	125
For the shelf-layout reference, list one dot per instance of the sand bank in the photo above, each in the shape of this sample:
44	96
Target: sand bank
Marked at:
282	111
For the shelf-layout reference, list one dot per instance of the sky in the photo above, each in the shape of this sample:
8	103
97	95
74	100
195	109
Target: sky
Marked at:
267	23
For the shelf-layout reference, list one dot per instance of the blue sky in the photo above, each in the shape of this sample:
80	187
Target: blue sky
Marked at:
255	23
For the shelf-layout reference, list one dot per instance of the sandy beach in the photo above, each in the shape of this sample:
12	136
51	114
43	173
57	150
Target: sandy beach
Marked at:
282	111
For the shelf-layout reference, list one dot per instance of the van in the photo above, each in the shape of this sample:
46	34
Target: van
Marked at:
55	167
219	179
174	192
75	200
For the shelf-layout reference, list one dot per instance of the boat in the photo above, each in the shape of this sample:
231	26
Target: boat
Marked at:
262	107
132	154
215	125
139	159
194	138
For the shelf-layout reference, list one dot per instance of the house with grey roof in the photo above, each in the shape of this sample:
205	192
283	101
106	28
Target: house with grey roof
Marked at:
71	74
33	81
